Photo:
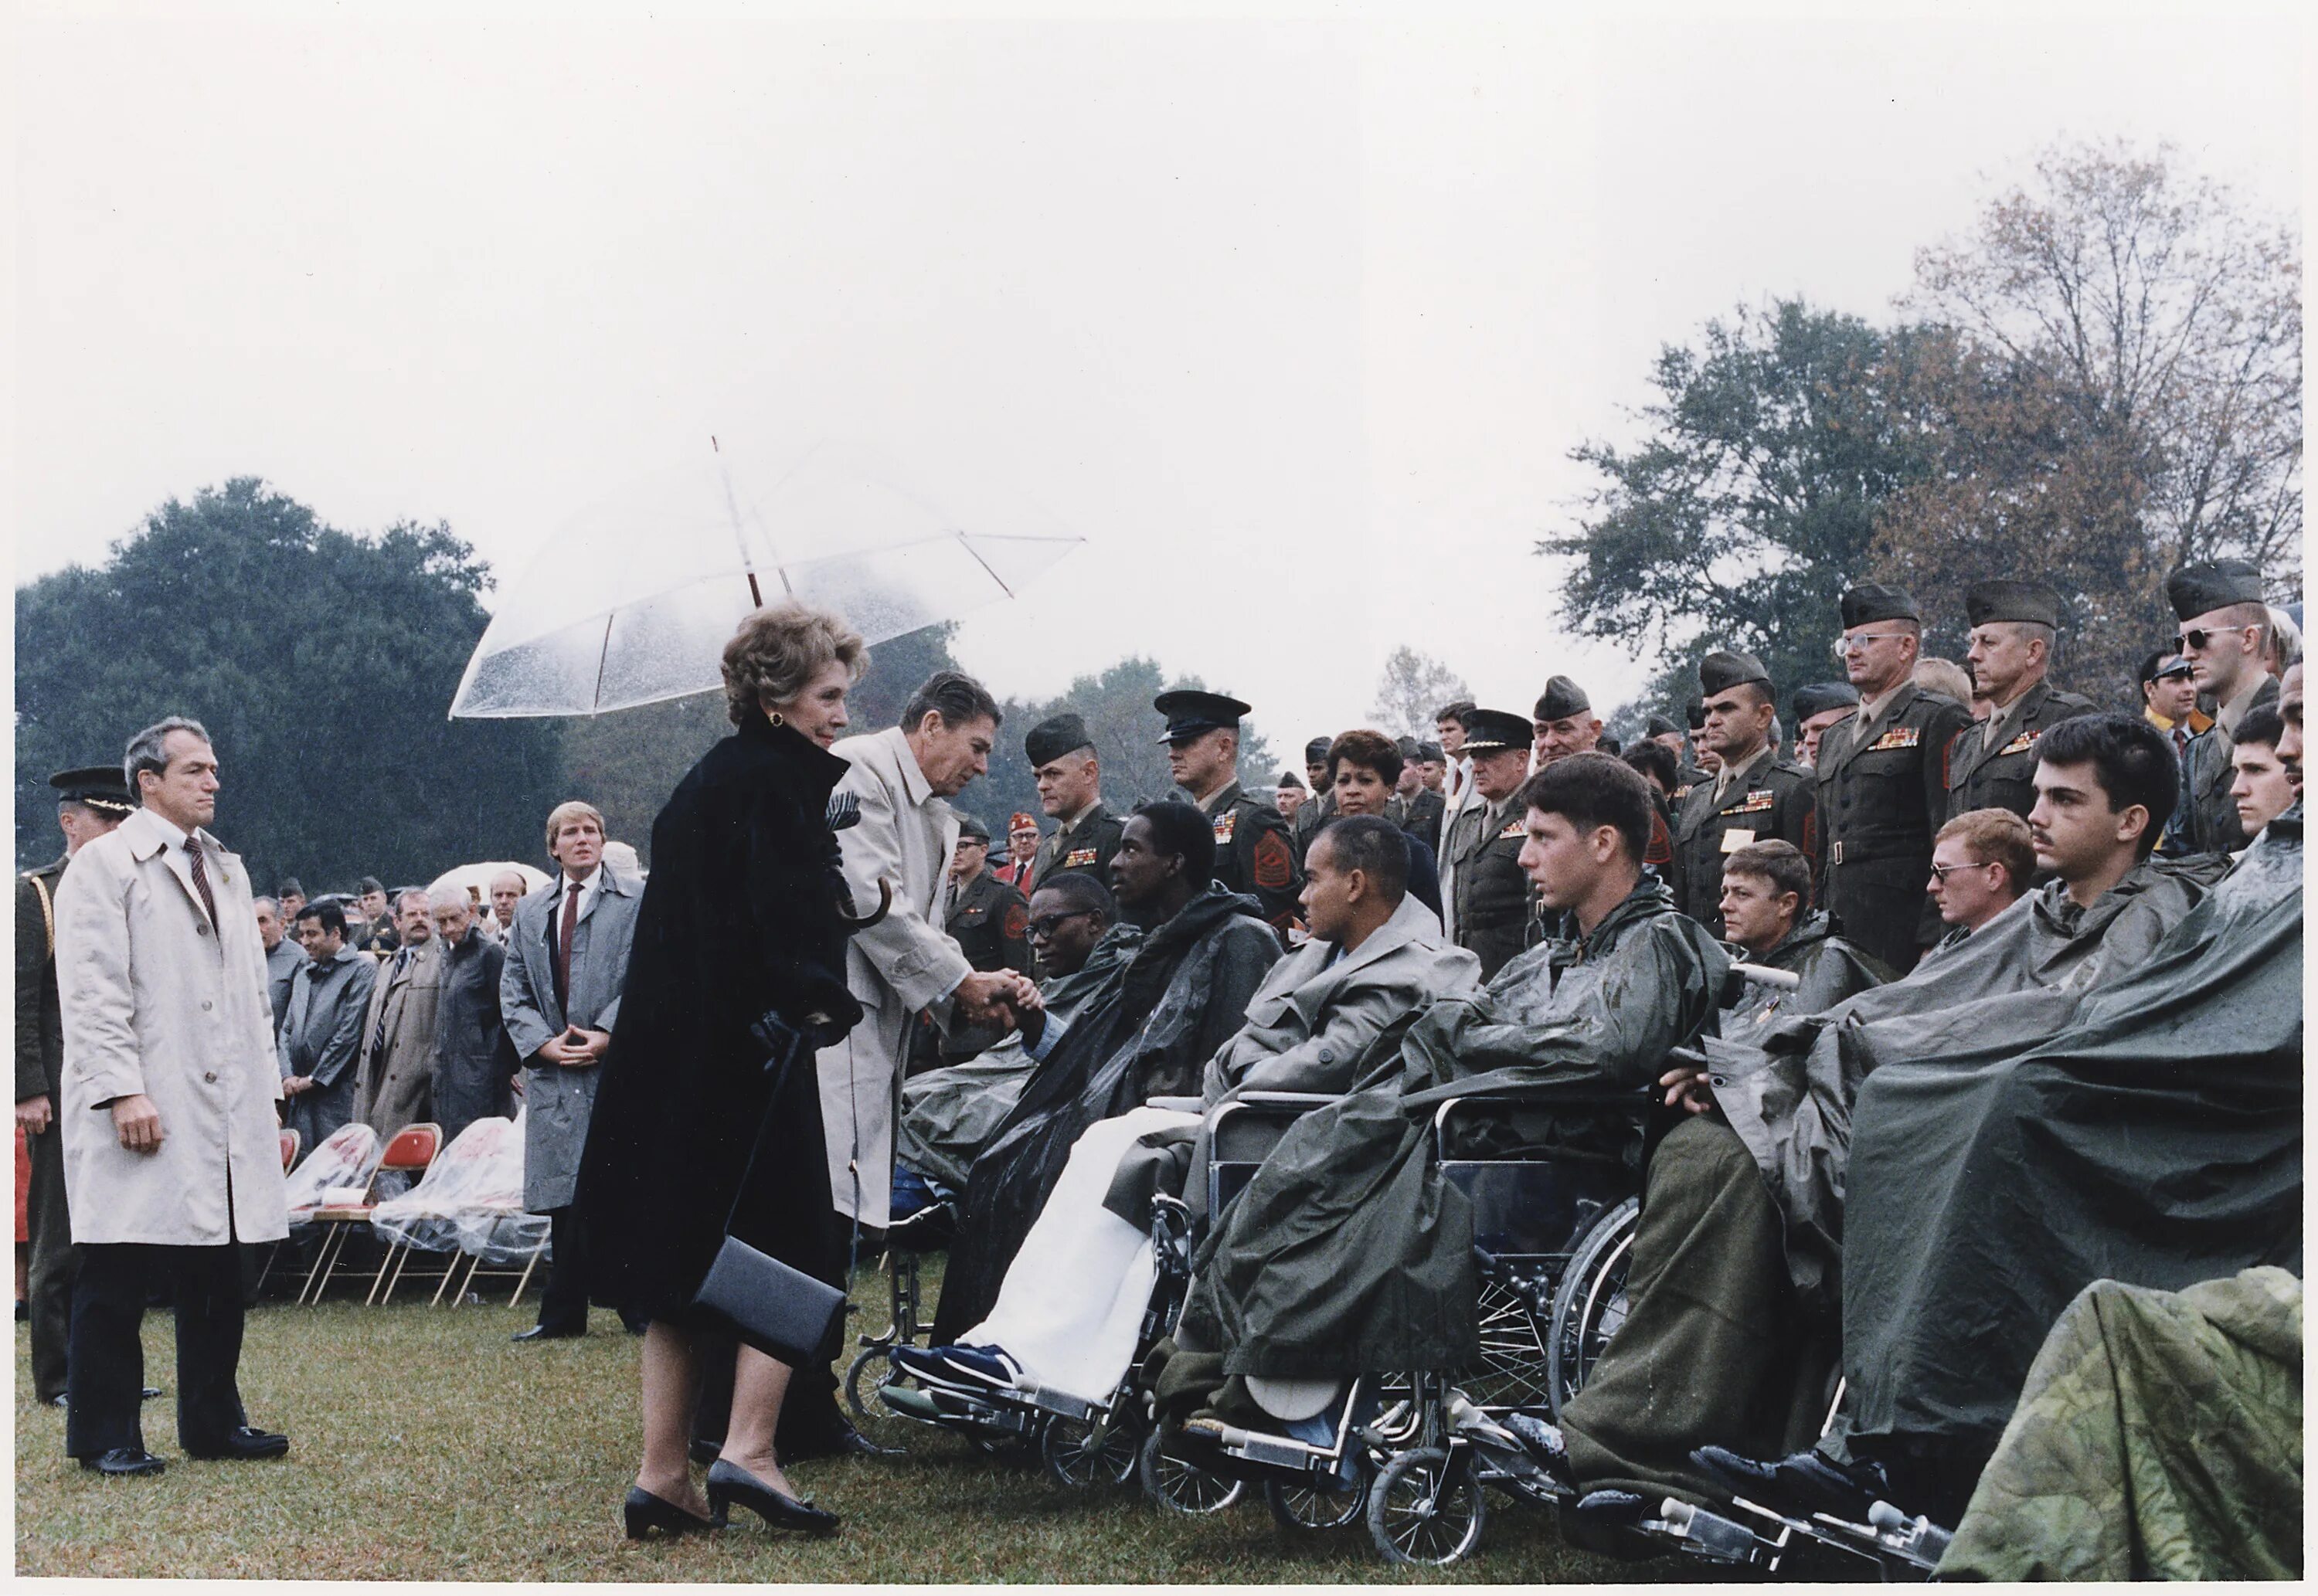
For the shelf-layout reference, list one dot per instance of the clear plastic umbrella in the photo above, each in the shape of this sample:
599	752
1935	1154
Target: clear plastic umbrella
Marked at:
632	600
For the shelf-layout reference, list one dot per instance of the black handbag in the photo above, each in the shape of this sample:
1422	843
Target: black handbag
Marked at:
782	1311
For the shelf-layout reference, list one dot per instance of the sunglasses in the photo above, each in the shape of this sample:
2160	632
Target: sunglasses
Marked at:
1858	642
1047	925
1942	870
2196	637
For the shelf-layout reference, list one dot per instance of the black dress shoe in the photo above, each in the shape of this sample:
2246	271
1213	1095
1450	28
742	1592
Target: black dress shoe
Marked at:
245	1444
728	1483
642	1512
1802	1483
543	1332
123	1461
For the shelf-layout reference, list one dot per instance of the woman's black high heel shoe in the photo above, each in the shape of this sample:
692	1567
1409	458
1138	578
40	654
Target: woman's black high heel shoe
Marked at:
645	1512
728	1483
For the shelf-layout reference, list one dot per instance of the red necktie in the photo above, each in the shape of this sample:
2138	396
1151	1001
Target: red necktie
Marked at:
563	946
201	879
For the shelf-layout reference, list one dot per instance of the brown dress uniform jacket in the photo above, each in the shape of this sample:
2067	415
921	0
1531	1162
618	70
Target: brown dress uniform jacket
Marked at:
1253	855
2002	774
1882	792
1771	798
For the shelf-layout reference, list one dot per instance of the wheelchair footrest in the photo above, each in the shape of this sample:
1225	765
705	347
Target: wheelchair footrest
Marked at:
1277	1451
1062	1403
1709	1535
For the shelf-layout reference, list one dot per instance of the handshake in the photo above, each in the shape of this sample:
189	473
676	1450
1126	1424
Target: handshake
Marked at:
1001	997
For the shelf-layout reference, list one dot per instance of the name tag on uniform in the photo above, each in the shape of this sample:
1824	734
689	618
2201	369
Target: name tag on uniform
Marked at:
1758	802
1737	838
2020	744
1514	828
1079	858
1225	823
1899	737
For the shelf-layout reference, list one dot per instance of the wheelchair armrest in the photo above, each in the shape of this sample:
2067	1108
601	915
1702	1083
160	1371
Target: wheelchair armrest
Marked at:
1764	975
1537	1097
1177	1105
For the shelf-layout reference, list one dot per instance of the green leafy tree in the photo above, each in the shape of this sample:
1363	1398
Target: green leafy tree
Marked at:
322	664
1750	503
1411	691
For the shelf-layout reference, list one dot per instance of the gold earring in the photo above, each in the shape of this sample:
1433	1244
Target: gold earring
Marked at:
774	715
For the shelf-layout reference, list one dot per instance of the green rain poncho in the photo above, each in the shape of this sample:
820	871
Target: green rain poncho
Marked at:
1348	1252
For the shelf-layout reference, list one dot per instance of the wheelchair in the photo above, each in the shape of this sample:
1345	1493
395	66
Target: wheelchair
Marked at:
1081	1442
1552	1177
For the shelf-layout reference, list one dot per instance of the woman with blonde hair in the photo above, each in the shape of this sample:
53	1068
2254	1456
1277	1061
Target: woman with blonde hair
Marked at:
741	933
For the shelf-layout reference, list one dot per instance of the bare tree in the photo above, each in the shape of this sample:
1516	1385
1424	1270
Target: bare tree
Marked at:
1412	689
2168	317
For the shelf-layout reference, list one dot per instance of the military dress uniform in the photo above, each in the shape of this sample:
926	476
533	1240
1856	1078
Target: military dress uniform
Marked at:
2204	817
1421	818
1085	844
1769	797
1881	795
377	937
1494	907
1992	764
1316	812
990	924
39	1072
1253	855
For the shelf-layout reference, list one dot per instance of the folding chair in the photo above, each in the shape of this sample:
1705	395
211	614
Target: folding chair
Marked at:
443	1171
522	1277
413	1148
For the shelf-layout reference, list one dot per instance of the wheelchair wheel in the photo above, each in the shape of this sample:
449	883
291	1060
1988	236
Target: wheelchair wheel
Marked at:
1327	1503
1514	1368
1591	1303
1426	1507
872	1367
1180	1486
1075	1456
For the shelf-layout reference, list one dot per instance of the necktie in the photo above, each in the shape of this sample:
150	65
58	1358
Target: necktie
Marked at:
563	949
394	972
201	879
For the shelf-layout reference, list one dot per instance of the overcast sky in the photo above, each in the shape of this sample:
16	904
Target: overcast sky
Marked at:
1294	320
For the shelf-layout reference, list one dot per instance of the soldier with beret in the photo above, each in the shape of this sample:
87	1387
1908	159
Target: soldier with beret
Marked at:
1881	791
1493	911
1818	706
1253	855
2225	633
1756	797
1069	775
90	801
1992	764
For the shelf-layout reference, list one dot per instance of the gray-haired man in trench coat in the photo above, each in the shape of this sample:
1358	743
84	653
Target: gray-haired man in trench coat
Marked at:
567	959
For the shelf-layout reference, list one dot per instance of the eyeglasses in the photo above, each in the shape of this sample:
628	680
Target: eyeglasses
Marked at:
1942	870
2196	639
1858	641
1048	925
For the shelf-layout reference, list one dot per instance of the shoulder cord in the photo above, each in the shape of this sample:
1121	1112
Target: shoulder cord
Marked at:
47	913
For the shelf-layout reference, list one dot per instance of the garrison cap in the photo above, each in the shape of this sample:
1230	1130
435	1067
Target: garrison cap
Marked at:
288	885
1191	712
369	884
1658	726
1288	778
1316	752
1022	820
100	786
1722	670
1051	739
1487	730
1816	698
2196	590
1694	712
1562	698
1431	753
2032	601
1872	601
2162	664
1407	747
970	828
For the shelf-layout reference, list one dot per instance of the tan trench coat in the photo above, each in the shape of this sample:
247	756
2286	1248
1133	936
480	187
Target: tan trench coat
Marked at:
157	1001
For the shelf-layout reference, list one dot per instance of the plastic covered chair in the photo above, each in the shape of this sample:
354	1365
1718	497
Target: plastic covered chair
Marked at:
429	1218
343	1209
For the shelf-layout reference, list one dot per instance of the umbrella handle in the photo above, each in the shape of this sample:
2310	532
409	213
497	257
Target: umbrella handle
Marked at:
884	903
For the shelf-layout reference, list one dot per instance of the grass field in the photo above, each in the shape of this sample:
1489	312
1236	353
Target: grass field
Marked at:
426	1446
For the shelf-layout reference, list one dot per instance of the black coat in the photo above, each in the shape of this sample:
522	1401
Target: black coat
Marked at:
740	917
475	1060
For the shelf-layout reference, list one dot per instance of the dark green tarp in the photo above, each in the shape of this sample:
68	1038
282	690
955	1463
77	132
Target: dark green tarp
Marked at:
949	1115
2155	1139
2159	1436
2006	987
1348	1253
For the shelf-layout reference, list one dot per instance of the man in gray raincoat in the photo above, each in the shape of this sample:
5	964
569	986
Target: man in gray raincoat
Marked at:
1348	1253
1735	1266
321	1028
